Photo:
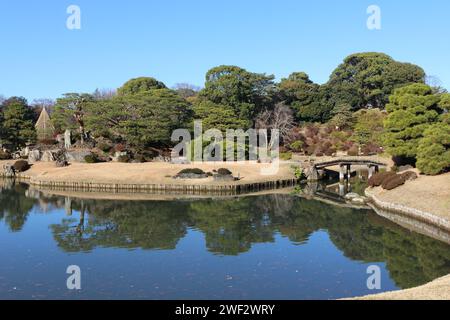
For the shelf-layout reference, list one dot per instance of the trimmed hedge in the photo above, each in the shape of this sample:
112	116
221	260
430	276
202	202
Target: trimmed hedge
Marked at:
394	182
123	159
224	172
191	171
91	158
21	166
409	175
377	179
4	155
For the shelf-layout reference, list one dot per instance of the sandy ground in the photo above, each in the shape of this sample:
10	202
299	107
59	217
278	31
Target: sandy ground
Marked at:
151	173
429	194
437	290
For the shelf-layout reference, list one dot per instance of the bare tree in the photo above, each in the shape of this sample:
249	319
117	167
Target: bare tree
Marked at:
281	118
2	98
104	94
39	104
186	90
435	83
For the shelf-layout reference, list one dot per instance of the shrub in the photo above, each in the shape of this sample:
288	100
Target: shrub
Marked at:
104	147
330	152
120	147
310	150
224	172
394	182
191	171
140	158
297	146
286	156
353	151
21	166
4	155
377	179
123	159
91	158
299	173
370	149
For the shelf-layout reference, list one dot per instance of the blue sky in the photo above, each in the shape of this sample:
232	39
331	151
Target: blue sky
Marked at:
179	40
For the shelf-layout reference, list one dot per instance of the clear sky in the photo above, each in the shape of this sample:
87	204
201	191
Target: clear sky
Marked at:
179	40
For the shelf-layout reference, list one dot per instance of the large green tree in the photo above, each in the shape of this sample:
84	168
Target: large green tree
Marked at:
246	92
140	85
17	125
70	112
412	109
142	119
218	116
368	126
305	97
368	79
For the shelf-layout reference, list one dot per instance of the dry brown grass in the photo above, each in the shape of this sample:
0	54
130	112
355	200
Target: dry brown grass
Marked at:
150	173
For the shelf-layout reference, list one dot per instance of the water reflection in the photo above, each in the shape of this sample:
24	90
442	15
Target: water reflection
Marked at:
231	227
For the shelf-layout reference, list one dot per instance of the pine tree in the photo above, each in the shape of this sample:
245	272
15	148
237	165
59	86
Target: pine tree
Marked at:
433	155
17	126
412	109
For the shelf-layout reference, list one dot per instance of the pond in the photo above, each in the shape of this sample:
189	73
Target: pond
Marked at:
273	246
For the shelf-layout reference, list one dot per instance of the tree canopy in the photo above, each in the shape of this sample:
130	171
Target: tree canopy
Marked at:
245	92
140	85
304	97
367	79
17	124
433	156
412	109
141	119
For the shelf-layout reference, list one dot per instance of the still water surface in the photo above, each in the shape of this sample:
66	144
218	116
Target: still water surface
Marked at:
257	247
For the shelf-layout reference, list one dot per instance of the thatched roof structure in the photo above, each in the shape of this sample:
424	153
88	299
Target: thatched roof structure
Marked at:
44	127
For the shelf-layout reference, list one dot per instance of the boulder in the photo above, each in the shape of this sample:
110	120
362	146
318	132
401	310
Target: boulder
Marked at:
34	156
8	171
62	163
163	159
180	160
350	196
25	152
118	155
405	168
77	156
48	156
359	201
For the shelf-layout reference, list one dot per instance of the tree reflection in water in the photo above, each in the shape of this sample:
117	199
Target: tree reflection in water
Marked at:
232	226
